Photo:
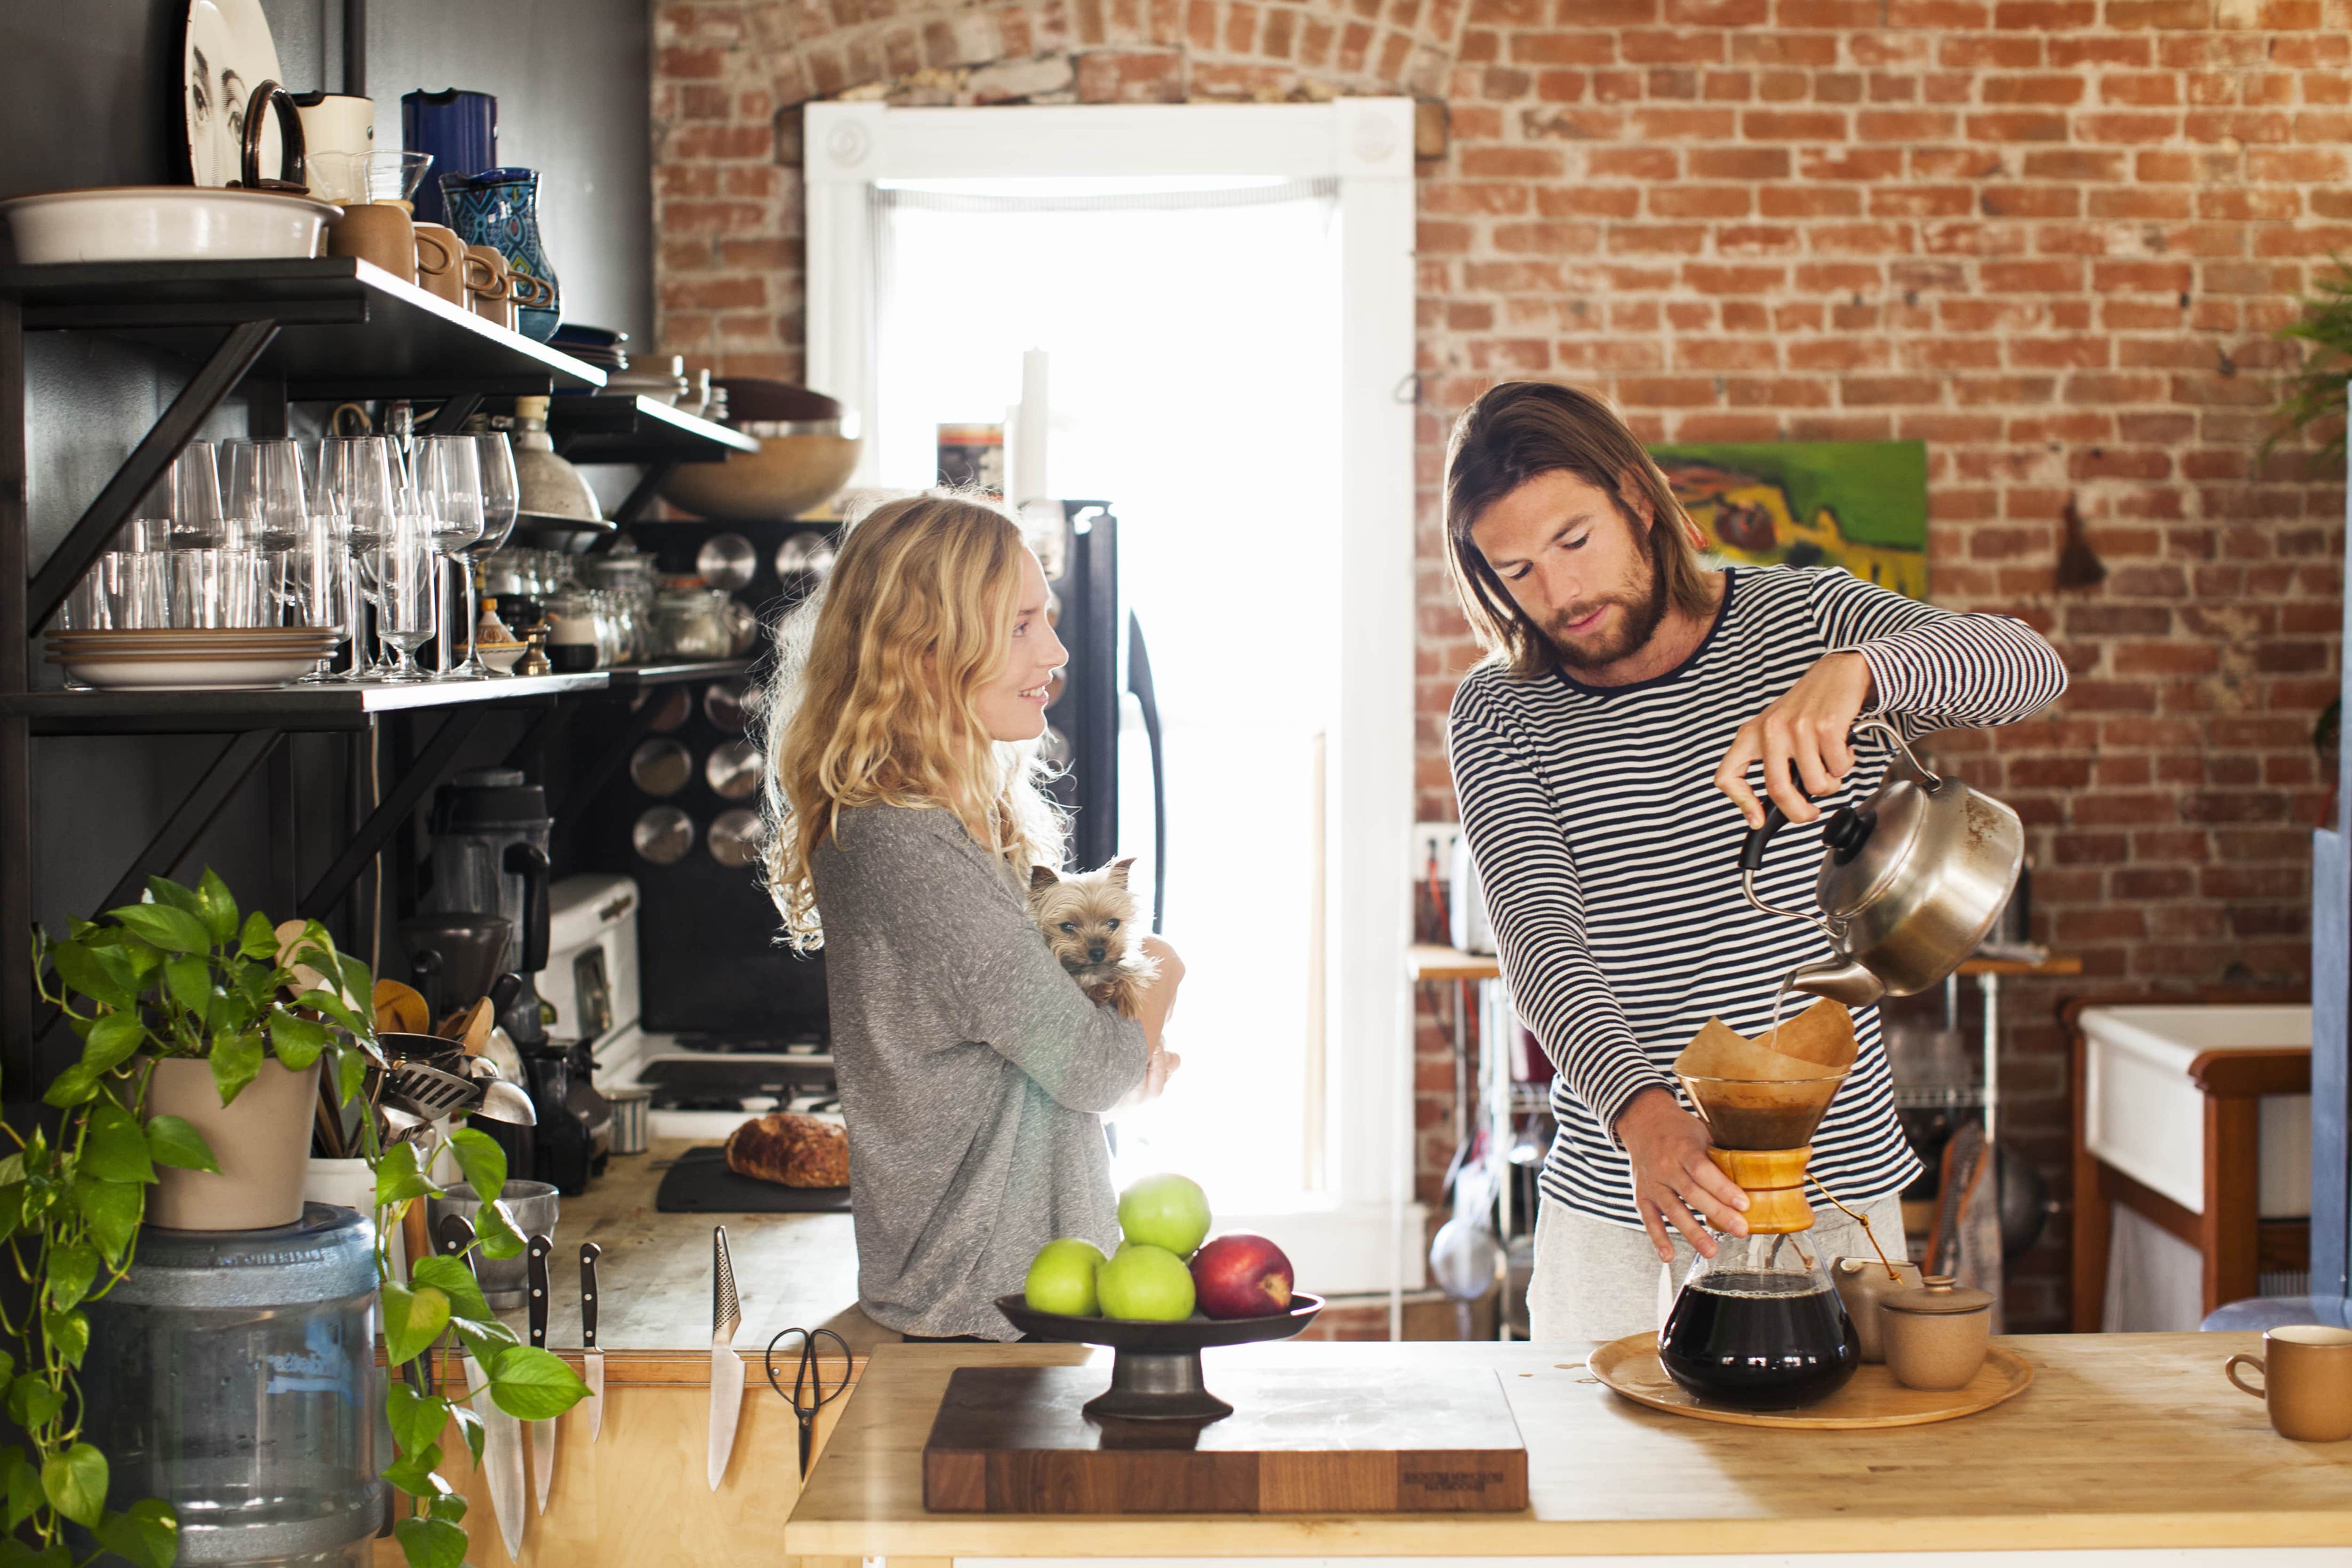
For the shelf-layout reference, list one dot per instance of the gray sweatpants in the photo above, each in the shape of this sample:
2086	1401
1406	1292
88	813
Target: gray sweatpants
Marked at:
1594	1280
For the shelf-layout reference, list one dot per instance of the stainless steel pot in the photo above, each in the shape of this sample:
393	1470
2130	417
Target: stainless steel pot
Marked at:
1912	879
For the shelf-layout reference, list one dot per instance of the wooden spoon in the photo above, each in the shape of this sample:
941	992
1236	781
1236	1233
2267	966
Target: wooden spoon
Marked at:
400	1009
475	1030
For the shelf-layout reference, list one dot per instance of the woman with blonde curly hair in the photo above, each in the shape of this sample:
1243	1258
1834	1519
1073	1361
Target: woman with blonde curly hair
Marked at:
906	813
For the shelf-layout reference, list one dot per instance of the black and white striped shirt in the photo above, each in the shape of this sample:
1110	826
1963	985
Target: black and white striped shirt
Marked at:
1609	860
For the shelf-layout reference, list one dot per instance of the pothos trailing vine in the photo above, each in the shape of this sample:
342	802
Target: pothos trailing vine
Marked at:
183	976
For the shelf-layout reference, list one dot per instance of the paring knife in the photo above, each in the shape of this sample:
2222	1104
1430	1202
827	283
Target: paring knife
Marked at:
502	1442
542	1433
726	1366
592	1361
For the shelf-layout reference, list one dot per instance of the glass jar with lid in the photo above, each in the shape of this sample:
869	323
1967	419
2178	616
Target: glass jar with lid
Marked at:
690	621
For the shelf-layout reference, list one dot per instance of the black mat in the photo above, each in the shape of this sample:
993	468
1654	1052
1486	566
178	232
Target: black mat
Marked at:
701	1182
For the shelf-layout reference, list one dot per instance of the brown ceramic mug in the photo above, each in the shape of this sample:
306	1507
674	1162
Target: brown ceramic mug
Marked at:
530	293
378	233
493	299
441	261
2307	1372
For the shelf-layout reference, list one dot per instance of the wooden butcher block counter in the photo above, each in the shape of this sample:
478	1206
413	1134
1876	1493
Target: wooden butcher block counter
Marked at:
2130	1441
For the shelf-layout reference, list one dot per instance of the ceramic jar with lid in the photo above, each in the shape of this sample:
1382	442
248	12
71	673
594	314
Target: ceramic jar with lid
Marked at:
1862	1284
1935	1336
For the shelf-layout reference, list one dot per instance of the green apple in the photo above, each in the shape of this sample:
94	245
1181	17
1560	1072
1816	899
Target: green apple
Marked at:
1166	1210
1061	1277
1145	1284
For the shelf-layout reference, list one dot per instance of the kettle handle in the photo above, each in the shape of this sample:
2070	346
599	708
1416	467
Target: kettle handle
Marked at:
1751	848
293	176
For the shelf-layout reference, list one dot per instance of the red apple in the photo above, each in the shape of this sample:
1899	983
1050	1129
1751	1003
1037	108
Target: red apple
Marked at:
1241	1276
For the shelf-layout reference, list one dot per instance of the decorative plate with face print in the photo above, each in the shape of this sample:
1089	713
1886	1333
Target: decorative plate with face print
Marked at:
228	53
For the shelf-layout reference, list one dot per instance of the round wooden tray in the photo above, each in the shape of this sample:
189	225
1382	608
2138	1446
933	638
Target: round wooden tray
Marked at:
1874	1398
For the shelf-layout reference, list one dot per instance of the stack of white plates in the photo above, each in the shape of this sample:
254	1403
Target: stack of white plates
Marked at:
234	658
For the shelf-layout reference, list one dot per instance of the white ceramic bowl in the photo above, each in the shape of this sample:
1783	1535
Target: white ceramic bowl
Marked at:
164	223
128	672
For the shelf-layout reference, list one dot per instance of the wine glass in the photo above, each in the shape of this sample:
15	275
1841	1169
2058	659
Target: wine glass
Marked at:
356	485
407	566
189	496
449	484
501	500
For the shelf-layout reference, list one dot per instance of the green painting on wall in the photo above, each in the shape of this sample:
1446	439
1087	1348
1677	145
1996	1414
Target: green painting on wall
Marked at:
1862	505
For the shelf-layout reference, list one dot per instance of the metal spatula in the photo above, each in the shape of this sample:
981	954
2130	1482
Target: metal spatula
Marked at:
433	1091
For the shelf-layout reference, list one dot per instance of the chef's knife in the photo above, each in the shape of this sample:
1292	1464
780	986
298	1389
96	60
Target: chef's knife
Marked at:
502	1441
592	1361
542	1433
726	1366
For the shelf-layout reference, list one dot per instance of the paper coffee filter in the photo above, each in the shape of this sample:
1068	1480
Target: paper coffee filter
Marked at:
1817	1043
1823	1034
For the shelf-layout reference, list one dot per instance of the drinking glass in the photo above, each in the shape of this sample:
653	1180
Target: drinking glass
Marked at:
137	585
357	488
213	588
269	494
319	592
501	500
406	565
188	498
449	484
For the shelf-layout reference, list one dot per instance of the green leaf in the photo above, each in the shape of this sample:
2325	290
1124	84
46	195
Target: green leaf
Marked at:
328	1003
499	1236
259	939
399	1176
431	1542
171	1140
23	1482
147	1533
236	1061
534	1384
112	1041
172	895
189	979
413	1473
71	1087
413	1316
470	1426
297	1041
17	1553
173	930
484	1163
450	1505
216	908
113	1210
71	1269
32	1400
87	970
68	1332
351	1073
456	1281
75	1483
417	1420
114	1148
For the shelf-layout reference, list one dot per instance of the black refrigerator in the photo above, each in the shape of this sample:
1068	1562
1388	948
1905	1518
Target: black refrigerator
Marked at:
1107	687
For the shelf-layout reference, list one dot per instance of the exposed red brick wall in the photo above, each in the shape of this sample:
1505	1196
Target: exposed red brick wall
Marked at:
2052	238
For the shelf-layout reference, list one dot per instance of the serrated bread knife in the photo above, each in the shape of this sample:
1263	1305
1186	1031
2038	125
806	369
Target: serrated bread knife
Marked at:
502	1440
726	1366
591	1360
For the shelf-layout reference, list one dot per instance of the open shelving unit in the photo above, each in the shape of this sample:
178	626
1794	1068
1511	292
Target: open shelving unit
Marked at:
324	328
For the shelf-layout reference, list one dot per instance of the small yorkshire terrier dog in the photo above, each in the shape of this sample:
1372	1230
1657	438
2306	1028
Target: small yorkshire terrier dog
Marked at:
1091	924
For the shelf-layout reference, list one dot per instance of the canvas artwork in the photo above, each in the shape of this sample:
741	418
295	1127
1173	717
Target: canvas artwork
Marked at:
1862	505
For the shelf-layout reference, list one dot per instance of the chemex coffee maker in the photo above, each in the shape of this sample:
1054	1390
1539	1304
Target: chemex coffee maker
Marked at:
491	836
1759	1326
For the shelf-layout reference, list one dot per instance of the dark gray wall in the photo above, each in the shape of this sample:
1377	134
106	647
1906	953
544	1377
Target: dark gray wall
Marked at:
93	100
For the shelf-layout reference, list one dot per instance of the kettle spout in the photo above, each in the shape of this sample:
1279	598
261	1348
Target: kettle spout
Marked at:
1838	978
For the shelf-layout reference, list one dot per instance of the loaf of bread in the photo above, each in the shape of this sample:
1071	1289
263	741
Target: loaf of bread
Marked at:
791	1151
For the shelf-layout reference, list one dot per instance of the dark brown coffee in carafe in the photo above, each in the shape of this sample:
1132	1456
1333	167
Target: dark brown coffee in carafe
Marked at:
1760	1341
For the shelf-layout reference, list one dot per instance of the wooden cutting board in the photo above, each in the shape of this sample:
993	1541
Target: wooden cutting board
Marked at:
1013	1440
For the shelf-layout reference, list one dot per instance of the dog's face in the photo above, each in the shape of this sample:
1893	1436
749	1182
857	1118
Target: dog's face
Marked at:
1088	919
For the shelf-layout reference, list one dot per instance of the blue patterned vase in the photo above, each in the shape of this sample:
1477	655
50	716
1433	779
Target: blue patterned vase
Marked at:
500	208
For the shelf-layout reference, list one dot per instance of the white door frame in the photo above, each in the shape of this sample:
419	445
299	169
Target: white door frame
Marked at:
1369	1240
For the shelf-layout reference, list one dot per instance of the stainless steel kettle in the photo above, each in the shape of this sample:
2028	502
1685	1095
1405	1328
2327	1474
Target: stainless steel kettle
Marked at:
1912	879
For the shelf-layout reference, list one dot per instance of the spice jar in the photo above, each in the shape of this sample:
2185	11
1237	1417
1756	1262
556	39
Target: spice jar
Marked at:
1935	1337
1862	1284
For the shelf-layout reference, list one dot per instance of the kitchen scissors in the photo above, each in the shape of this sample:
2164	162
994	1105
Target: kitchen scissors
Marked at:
810	1392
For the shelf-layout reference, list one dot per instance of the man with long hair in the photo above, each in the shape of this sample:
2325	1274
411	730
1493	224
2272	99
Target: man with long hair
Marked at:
1627	683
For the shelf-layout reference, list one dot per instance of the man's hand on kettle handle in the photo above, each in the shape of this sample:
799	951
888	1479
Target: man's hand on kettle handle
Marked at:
1667	1147
1801	738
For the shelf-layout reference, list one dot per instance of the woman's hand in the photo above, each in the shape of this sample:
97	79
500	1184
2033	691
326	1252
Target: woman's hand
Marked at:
1667	1146
1157	998
1156	1069
1803	733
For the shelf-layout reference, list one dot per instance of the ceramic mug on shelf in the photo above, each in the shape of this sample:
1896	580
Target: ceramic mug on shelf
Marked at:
485	281
378	233
2306	1373
441	261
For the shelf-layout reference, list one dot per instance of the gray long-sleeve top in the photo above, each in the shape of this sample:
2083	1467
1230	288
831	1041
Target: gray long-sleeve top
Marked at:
974	1072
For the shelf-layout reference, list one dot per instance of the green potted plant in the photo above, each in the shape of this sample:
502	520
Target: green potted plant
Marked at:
2313	395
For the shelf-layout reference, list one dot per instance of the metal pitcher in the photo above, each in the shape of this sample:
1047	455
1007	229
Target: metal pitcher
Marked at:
1912	879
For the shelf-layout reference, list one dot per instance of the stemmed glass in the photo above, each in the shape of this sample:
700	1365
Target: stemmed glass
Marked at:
501	500
449	486
356	484
407	566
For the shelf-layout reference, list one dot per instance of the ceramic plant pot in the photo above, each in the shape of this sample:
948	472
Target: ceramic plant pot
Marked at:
500	208
261	1139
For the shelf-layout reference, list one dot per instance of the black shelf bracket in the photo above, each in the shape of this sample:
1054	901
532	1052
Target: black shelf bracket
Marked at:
87	540
432	767
641	495
246	751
